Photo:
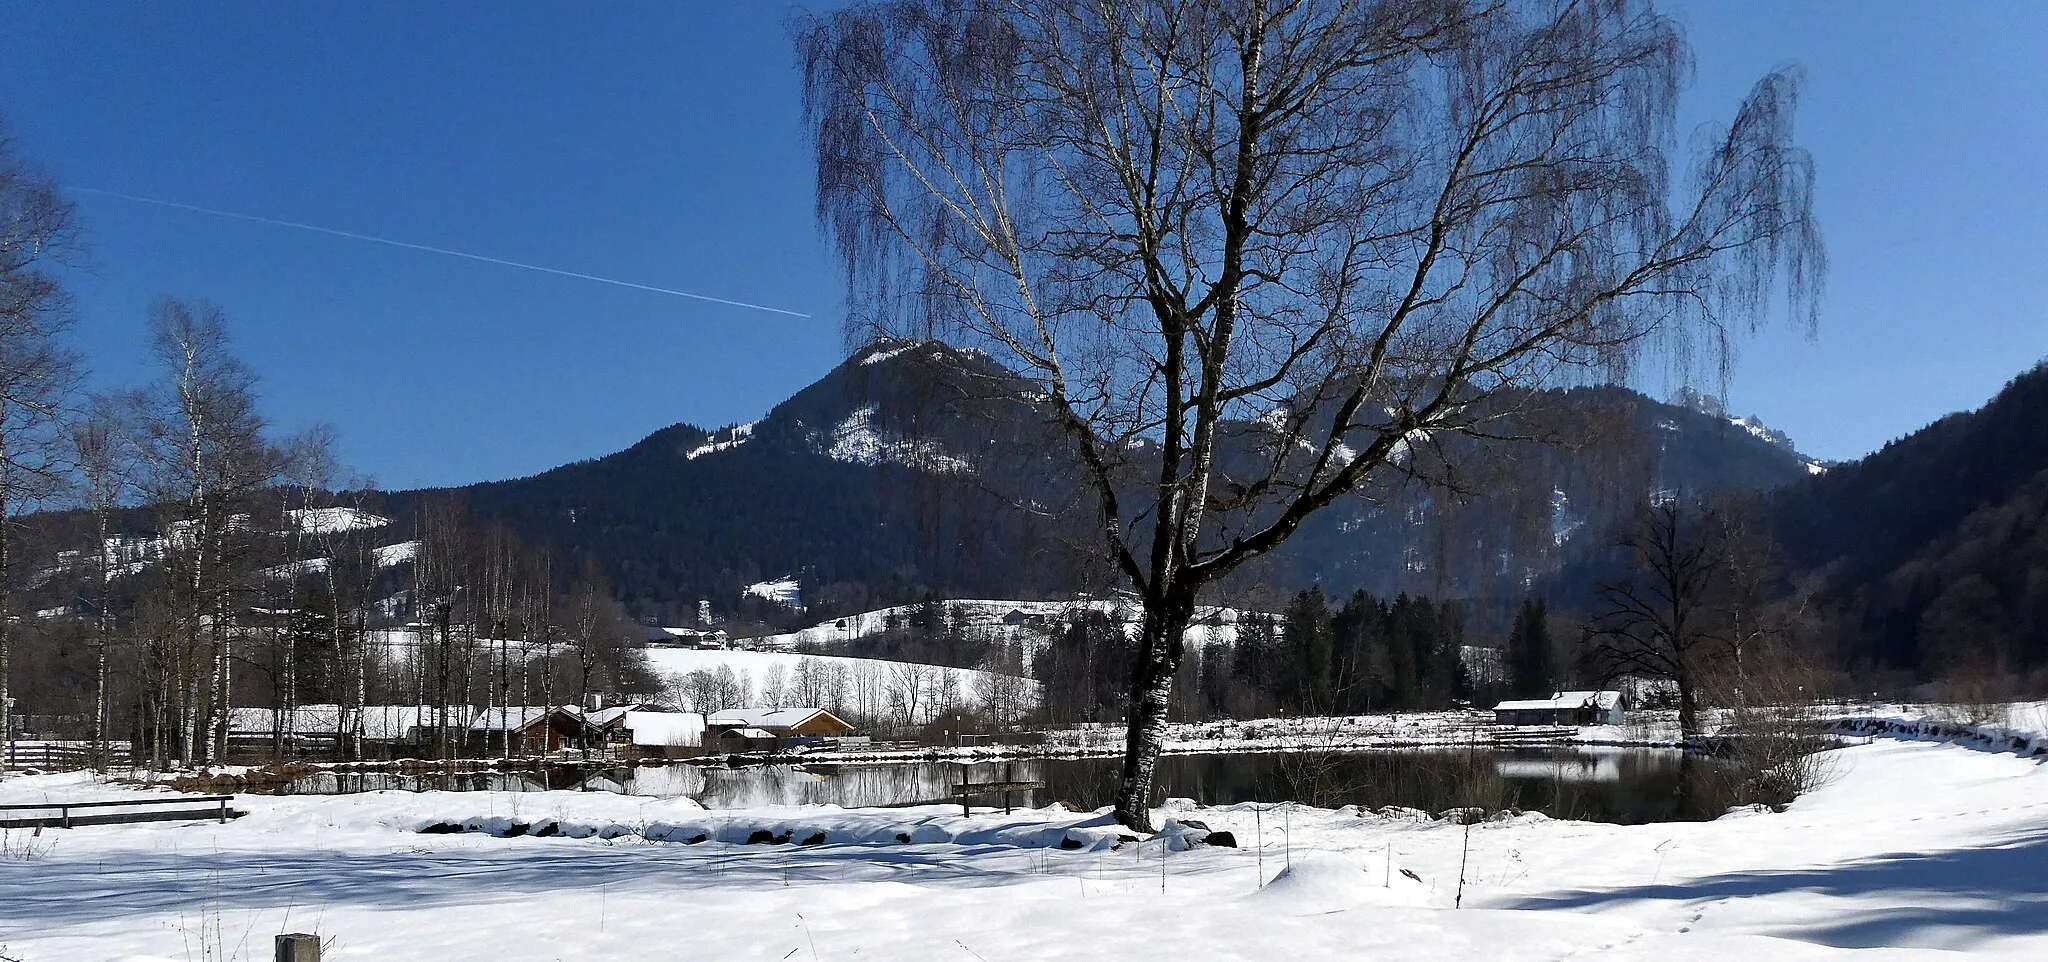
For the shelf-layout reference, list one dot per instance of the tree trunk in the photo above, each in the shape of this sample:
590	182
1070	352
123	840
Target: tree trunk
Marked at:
1688	708
1160	649
6	655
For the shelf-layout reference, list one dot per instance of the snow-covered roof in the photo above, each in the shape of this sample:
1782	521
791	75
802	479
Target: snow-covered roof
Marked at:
751	733
605	716
765	717
500	719
668	729
1603	700
306	719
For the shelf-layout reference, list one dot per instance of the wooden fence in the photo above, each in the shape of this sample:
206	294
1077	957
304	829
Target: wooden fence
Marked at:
76	814
59	756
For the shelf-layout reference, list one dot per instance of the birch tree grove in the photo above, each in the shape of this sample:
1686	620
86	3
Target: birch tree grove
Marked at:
1257	253
206	459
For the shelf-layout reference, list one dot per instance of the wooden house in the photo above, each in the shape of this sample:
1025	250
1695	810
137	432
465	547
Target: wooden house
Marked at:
534	731
1562	708
782	722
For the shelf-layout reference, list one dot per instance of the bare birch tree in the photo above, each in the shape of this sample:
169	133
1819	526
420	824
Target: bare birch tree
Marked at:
36	371
206	458
1325	232
102	457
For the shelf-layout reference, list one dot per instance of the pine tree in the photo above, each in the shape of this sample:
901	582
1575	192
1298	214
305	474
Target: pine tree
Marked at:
1532	661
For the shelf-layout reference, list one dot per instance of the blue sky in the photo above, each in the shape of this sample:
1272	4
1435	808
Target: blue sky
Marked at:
661	144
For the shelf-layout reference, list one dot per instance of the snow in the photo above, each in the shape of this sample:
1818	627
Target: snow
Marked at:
665	729
395	554
725	440
856	441
1917	849
782	591
1603	700
763	717
334	520
755	665
883	355
1000	620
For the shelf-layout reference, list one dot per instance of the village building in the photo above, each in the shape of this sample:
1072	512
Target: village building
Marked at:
658	734
532	731
746	739
1562	708
783	722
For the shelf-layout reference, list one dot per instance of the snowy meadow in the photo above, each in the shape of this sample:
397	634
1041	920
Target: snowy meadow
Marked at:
1916	848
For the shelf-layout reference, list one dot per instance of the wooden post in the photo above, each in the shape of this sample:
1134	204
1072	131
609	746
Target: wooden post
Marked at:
298	947
64	816
224	821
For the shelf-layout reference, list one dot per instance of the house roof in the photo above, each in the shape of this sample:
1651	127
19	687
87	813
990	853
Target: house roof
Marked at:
519	719
605	716
1565	700
751	733
665	729
765	717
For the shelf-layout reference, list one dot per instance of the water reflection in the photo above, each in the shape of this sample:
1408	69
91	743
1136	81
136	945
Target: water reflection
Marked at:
1612	785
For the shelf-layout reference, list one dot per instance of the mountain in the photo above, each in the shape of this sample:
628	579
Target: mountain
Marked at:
917	469
1934	549
859	486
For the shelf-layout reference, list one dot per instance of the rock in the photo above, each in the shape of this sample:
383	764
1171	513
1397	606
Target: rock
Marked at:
547	830
761	836
815	838
697	838
516	829
1067	842
903	837
1192	823
441	828
1220	839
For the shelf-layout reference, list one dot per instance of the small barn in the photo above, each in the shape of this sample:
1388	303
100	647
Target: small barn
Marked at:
660	734
745	740
1562	708
783	722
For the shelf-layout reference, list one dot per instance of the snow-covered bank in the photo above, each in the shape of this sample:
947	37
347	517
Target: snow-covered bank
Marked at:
1916	849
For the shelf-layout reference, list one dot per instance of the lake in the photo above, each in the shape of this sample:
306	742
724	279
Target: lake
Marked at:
1623	785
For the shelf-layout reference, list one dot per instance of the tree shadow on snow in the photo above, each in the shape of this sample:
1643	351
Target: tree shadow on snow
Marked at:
1963	896
63	892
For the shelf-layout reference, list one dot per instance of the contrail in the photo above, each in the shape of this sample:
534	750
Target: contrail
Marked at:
432	250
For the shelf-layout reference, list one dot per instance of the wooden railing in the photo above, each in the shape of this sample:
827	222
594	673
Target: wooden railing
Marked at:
48	756
76	814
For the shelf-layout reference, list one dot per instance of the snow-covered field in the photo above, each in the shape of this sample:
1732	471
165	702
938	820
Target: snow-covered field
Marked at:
995	620
756	665
1917	849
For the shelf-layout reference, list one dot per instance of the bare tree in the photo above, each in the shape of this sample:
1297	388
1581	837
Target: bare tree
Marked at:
36	372
1660	622
102	457
206	458
1256	253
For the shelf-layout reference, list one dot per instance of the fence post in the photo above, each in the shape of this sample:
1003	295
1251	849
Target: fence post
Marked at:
298	947
64	815
224	809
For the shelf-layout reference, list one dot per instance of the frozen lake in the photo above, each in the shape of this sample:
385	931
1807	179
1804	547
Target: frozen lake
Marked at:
1626	786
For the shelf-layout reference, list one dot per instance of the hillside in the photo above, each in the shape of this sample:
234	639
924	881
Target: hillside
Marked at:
1935	548
901	474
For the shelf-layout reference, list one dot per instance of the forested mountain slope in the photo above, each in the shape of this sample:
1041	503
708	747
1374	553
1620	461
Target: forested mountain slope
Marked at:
919	469
1935	548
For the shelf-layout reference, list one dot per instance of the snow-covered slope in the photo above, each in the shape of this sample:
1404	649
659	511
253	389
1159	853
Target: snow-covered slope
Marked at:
997	620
